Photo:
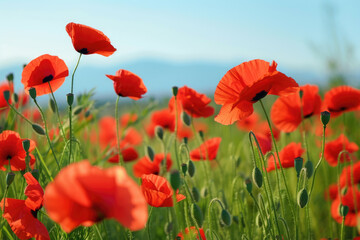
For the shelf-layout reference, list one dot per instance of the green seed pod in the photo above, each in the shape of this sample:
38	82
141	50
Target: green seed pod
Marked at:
184	168
159	131
10	77
32	93
191	168
325	117
201	133
204	192
236	219
309	168
197	214
343	210
226	217
175	179
52	105
87	114
186	118
302	198
77	110
258	221
9	178
248	185
26	145
6	95
35	174
70	99
15	97
185	140
150	153
178	238
38	129
175	91
298	163
257	177
195	193
301	93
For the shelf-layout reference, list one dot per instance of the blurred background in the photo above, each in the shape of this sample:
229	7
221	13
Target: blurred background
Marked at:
185	42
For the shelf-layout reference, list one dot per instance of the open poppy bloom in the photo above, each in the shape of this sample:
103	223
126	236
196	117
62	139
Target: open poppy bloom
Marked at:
44	71
193	103
287	156
22	214
5	86
94	194
333	148
286	110
128	118
128	154
249	123
87	40
346	178
146	166
164	118
23	99
158	192
332	192
191	232
207	150
348	200
12	151
342	99
128	84
247	83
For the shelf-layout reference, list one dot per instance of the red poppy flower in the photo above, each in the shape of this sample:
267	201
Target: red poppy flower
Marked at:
286	110
265	142
12	151
23	99
333	148
207	150
128	84
146	166
193	103
128	118
192	232
5	86
33	114
164	118
158	192
263	128
22	214
249	123
87	40
247	83
348	200
128	154
42	71
94	194
346	178
342	99
332	192
287	156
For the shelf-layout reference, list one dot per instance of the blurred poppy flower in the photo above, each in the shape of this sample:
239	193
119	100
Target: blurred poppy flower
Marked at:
146	166
128	84
164	118
12	151
5	86
347	199
249	123
33	114
192	232
346	178
287	156
87	40
22	214
247	83
158	192
23	99
342	99
332	192
128	154
193	103
286	110
94	194
333	148
42	71
128	118
207	150
265	142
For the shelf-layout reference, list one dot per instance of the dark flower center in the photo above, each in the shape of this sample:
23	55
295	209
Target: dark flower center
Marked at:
308	115
337	110
48	78
8	157
34	213
259	96
84	51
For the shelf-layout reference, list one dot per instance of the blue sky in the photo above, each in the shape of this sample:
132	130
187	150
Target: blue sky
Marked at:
225	32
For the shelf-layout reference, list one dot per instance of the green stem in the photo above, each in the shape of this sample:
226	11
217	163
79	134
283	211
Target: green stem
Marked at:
148	223
12	107
121	160
57	113
342	228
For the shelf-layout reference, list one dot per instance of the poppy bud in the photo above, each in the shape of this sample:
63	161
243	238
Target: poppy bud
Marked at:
257	177
9	178
236	219
24	65
309	168
343	191
302	198
10	77
248	185
178	238
184	168
195	194
15	97
201	133
204	192
38	129
175	91
298	163
87	114
191	168
226	217
168	227
175	179
258	221
32	93
186	118
343	210
6	95
197	214
150	153
52	105
26	145
159	131
185	139
301	93
70	99
325	117
77	110
35	174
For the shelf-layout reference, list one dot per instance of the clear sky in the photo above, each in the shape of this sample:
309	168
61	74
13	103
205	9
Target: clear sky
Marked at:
215	31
